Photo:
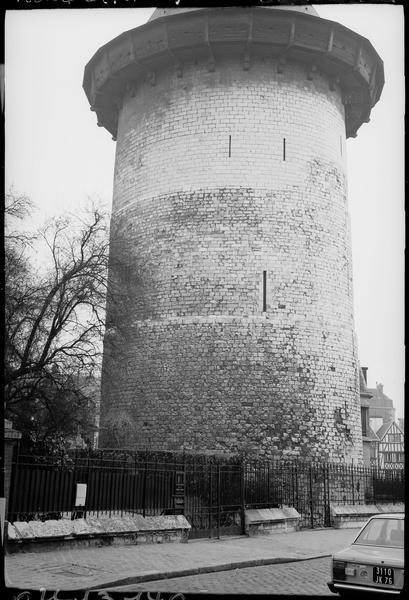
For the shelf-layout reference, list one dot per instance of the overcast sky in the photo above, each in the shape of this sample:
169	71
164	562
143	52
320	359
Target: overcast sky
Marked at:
56	154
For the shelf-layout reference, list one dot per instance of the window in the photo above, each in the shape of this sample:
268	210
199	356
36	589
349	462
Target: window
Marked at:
382	532
364	419
390	457
264	291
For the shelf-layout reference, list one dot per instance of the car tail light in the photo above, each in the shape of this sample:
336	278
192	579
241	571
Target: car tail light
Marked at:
338	569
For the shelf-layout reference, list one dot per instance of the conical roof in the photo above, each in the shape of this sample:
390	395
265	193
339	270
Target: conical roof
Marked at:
176	35
166	12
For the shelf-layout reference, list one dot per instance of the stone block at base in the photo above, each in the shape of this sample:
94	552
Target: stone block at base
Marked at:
265	521
349	516
345	516
391	508
101	530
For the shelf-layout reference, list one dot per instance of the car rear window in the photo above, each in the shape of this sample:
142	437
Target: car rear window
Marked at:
382	532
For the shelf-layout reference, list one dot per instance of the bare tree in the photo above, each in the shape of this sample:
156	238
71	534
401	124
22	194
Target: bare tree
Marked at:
54	316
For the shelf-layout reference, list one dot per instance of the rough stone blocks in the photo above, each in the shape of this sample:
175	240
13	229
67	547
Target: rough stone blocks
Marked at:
233	327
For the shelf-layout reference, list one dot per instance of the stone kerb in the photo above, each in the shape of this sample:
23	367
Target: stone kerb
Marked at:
271	520
101	530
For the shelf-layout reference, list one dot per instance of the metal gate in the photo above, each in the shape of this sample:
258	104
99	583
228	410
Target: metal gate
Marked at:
214	500
310	495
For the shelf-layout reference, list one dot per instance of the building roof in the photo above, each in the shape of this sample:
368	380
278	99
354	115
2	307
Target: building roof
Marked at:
286	33
372	435
383	429
381	432
166	12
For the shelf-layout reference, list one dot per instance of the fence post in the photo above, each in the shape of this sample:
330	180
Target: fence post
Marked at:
401	486
268	485
295	486
87	505
218	501
353	484
134	484
210	500
293	483
393	487
327	511
311	499
243	496
373	484
121	497
144	487
184	483
11	439
111	487
330	480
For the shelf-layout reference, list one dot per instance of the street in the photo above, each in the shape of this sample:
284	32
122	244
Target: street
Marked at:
301	577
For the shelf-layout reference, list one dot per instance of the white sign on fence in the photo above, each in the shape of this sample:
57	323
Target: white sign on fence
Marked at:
81	494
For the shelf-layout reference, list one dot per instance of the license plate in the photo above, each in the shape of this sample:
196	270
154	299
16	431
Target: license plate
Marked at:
383	575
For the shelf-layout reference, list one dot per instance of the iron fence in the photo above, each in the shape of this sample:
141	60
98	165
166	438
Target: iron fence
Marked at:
212	492
113	486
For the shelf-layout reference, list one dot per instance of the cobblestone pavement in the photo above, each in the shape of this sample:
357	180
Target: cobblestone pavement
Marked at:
91	568
307	577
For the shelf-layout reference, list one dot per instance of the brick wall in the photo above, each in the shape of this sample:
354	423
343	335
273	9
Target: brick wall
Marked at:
230	206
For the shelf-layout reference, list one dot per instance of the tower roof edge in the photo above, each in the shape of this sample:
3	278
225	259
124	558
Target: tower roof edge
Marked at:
345	57
167	12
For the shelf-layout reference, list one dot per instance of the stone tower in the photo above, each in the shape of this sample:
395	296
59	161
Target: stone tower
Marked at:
230	323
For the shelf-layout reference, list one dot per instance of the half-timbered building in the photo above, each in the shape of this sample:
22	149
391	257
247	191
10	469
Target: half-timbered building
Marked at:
391	447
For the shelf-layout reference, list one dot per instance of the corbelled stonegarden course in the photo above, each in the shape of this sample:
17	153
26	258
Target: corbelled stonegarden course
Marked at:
230	244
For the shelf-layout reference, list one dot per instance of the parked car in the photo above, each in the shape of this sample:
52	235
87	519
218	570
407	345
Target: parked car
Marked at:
374	562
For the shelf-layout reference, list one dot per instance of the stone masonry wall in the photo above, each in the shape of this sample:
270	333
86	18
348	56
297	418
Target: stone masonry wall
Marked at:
230	197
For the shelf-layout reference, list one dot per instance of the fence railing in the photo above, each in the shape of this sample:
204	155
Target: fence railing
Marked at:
213	494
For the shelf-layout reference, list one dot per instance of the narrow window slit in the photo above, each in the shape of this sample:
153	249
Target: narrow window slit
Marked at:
283	148
264	291
229	146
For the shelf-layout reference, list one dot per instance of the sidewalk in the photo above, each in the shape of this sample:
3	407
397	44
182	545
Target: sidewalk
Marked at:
92	568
